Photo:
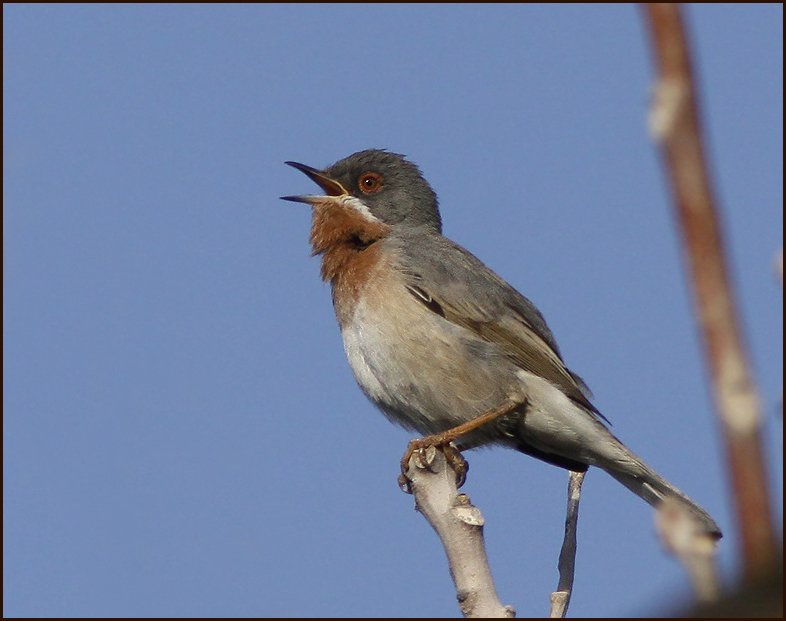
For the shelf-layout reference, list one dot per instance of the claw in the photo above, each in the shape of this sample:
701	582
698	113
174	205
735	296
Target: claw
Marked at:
456	461
420	446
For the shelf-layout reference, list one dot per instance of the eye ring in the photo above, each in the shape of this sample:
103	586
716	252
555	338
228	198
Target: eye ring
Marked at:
370	182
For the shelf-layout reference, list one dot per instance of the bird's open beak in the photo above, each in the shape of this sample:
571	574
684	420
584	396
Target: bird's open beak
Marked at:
330	186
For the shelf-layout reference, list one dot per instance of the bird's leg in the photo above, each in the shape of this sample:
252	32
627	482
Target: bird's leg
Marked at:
444	440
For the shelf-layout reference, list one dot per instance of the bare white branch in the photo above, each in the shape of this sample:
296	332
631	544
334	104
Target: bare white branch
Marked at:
459	525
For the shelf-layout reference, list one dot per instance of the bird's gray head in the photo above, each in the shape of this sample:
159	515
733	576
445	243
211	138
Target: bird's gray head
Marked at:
391	187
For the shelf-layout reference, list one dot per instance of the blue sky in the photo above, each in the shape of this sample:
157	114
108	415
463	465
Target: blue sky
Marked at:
182	434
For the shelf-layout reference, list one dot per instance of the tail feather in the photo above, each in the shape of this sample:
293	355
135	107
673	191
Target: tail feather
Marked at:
565	433
648	485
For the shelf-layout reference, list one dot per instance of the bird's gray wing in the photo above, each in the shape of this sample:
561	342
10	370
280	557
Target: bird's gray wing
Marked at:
455	284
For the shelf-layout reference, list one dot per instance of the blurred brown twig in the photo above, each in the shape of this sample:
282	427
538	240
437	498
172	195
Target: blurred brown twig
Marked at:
675	125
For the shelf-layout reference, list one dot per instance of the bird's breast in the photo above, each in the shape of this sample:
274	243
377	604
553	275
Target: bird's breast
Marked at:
424	372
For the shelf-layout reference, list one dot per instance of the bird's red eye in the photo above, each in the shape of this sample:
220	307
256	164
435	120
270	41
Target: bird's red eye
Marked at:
370	182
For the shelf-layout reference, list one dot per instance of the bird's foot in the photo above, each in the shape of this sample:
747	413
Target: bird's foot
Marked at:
419	449
445	439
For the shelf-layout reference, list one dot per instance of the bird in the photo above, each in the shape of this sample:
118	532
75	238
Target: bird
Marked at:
439	342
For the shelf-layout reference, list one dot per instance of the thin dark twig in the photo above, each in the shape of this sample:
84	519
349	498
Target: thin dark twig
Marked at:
560	599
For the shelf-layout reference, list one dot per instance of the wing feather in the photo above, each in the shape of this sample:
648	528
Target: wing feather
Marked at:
470	295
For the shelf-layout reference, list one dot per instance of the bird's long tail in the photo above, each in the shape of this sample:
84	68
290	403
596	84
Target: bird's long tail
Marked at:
647	484
562	432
